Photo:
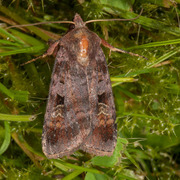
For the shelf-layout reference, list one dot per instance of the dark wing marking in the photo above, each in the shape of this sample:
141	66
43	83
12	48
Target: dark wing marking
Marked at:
65	126
102	139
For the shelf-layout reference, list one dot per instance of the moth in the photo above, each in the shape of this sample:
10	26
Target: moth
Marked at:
80	112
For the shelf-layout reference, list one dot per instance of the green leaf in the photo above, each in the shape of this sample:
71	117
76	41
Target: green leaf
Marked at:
122	176
93	176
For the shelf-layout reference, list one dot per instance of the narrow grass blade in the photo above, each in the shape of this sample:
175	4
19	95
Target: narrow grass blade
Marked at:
21	96
164	57
73	175
84	169
21	118
7	138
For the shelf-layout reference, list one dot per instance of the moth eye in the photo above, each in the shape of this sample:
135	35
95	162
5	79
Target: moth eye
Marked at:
71	27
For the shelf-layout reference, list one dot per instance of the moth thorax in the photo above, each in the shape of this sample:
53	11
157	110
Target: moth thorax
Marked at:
83	58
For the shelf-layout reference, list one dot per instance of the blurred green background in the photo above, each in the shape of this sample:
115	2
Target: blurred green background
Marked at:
147	92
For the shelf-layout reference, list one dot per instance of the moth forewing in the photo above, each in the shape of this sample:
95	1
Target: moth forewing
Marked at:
102	139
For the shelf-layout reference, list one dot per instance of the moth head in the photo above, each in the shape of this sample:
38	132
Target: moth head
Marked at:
78	21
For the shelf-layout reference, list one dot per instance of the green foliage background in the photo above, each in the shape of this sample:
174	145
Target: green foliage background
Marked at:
146	91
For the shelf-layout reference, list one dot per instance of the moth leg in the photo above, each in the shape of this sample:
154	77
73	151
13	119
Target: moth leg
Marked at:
53	47
52	50
112	48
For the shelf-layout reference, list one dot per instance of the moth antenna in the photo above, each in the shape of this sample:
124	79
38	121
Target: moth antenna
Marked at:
35	24
100	20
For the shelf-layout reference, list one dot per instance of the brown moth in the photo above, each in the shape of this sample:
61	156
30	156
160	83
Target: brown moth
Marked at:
80	112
